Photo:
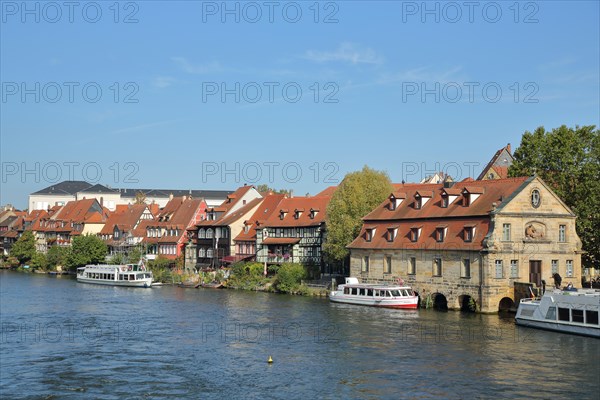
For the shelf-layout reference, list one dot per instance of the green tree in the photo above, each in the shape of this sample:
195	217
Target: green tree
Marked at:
134	255
358	194
289	277
24	247
57	256
568	160
39	261
88	249
117	259
264	188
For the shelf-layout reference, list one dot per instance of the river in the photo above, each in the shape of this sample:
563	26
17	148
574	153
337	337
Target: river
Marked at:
62	339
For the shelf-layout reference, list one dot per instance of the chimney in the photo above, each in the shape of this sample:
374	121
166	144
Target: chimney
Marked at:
508	148
291	193
171	197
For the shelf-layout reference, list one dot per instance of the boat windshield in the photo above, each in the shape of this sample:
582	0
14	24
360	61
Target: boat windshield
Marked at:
396	293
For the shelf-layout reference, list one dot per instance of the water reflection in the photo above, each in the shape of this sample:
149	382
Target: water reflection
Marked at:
67	339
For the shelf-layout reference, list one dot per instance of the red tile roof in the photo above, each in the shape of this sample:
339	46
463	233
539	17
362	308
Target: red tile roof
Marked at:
327	192
291	204
494	191
126	217
455	217
262	213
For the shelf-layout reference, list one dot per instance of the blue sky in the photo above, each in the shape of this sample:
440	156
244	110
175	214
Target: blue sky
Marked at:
211	95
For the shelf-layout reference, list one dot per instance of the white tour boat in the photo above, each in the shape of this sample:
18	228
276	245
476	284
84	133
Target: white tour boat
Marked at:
389	296
134	275
569	311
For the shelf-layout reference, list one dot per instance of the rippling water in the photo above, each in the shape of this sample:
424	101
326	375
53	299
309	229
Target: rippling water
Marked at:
63	339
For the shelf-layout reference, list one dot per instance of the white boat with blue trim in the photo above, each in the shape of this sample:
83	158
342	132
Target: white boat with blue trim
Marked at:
133	275
569	311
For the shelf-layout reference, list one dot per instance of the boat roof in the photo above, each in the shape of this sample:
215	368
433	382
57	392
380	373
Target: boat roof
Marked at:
375	286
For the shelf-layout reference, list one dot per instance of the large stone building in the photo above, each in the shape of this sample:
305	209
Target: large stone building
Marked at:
469	242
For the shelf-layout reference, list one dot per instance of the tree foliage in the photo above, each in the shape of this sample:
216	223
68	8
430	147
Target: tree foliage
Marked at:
140	198
88	249
57	256
264	188
358	194
289	277
568	159
24	247
39	261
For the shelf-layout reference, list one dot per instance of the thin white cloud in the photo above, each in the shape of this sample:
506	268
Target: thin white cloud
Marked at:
199	69
162	82
424	74
347	53
141	127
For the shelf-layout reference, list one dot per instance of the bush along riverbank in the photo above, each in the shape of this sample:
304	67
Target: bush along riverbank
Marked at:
286	278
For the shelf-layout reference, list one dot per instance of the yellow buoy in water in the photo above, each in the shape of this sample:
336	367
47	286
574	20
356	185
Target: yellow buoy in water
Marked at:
270	360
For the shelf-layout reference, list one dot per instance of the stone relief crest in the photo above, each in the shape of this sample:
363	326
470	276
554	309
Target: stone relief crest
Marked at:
534	230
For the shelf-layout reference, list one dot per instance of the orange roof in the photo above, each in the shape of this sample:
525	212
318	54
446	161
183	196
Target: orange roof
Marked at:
327	192
126	217
432	216
454	239
494	191
289	219
262	213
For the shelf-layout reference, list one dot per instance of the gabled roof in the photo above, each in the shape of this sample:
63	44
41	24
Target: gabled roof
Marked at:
232	199
289	219
499	163
327	192
268	206
126	218
427	239
494	191
99	189
80	211
65	187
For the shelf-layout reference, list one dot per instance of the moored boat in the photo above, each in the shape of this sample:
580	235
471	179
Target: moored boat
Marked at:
568	311
133	275
388	296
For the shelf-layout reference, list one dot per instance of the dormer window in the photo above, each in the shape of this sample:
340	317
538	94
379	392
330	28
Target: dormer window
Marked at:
246	228
282	214
468	233
470	194
440	233
415	232
298	213
444	201
391	234
313	213
421	198
369	234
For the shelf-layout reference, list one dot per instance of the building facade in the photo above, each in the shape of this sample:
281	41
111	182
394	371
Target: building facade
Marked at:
468	243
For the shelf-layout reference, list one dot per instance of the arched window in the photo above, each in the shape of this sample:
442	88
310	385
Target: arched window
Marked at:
201	252
209	253
202	233
209	233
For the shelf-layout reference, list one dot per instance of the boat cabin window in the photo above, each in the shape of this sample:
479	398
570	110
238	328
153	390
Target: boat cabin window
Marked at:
591	317
396	293
370	292
577	315
361	292
551	313
132	277
354	291
346	290
563	314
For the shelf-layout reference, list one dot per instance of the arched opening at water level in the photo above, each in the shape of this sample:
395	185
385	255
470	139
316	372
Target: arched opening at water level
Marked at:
467	303
506	304
440	302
